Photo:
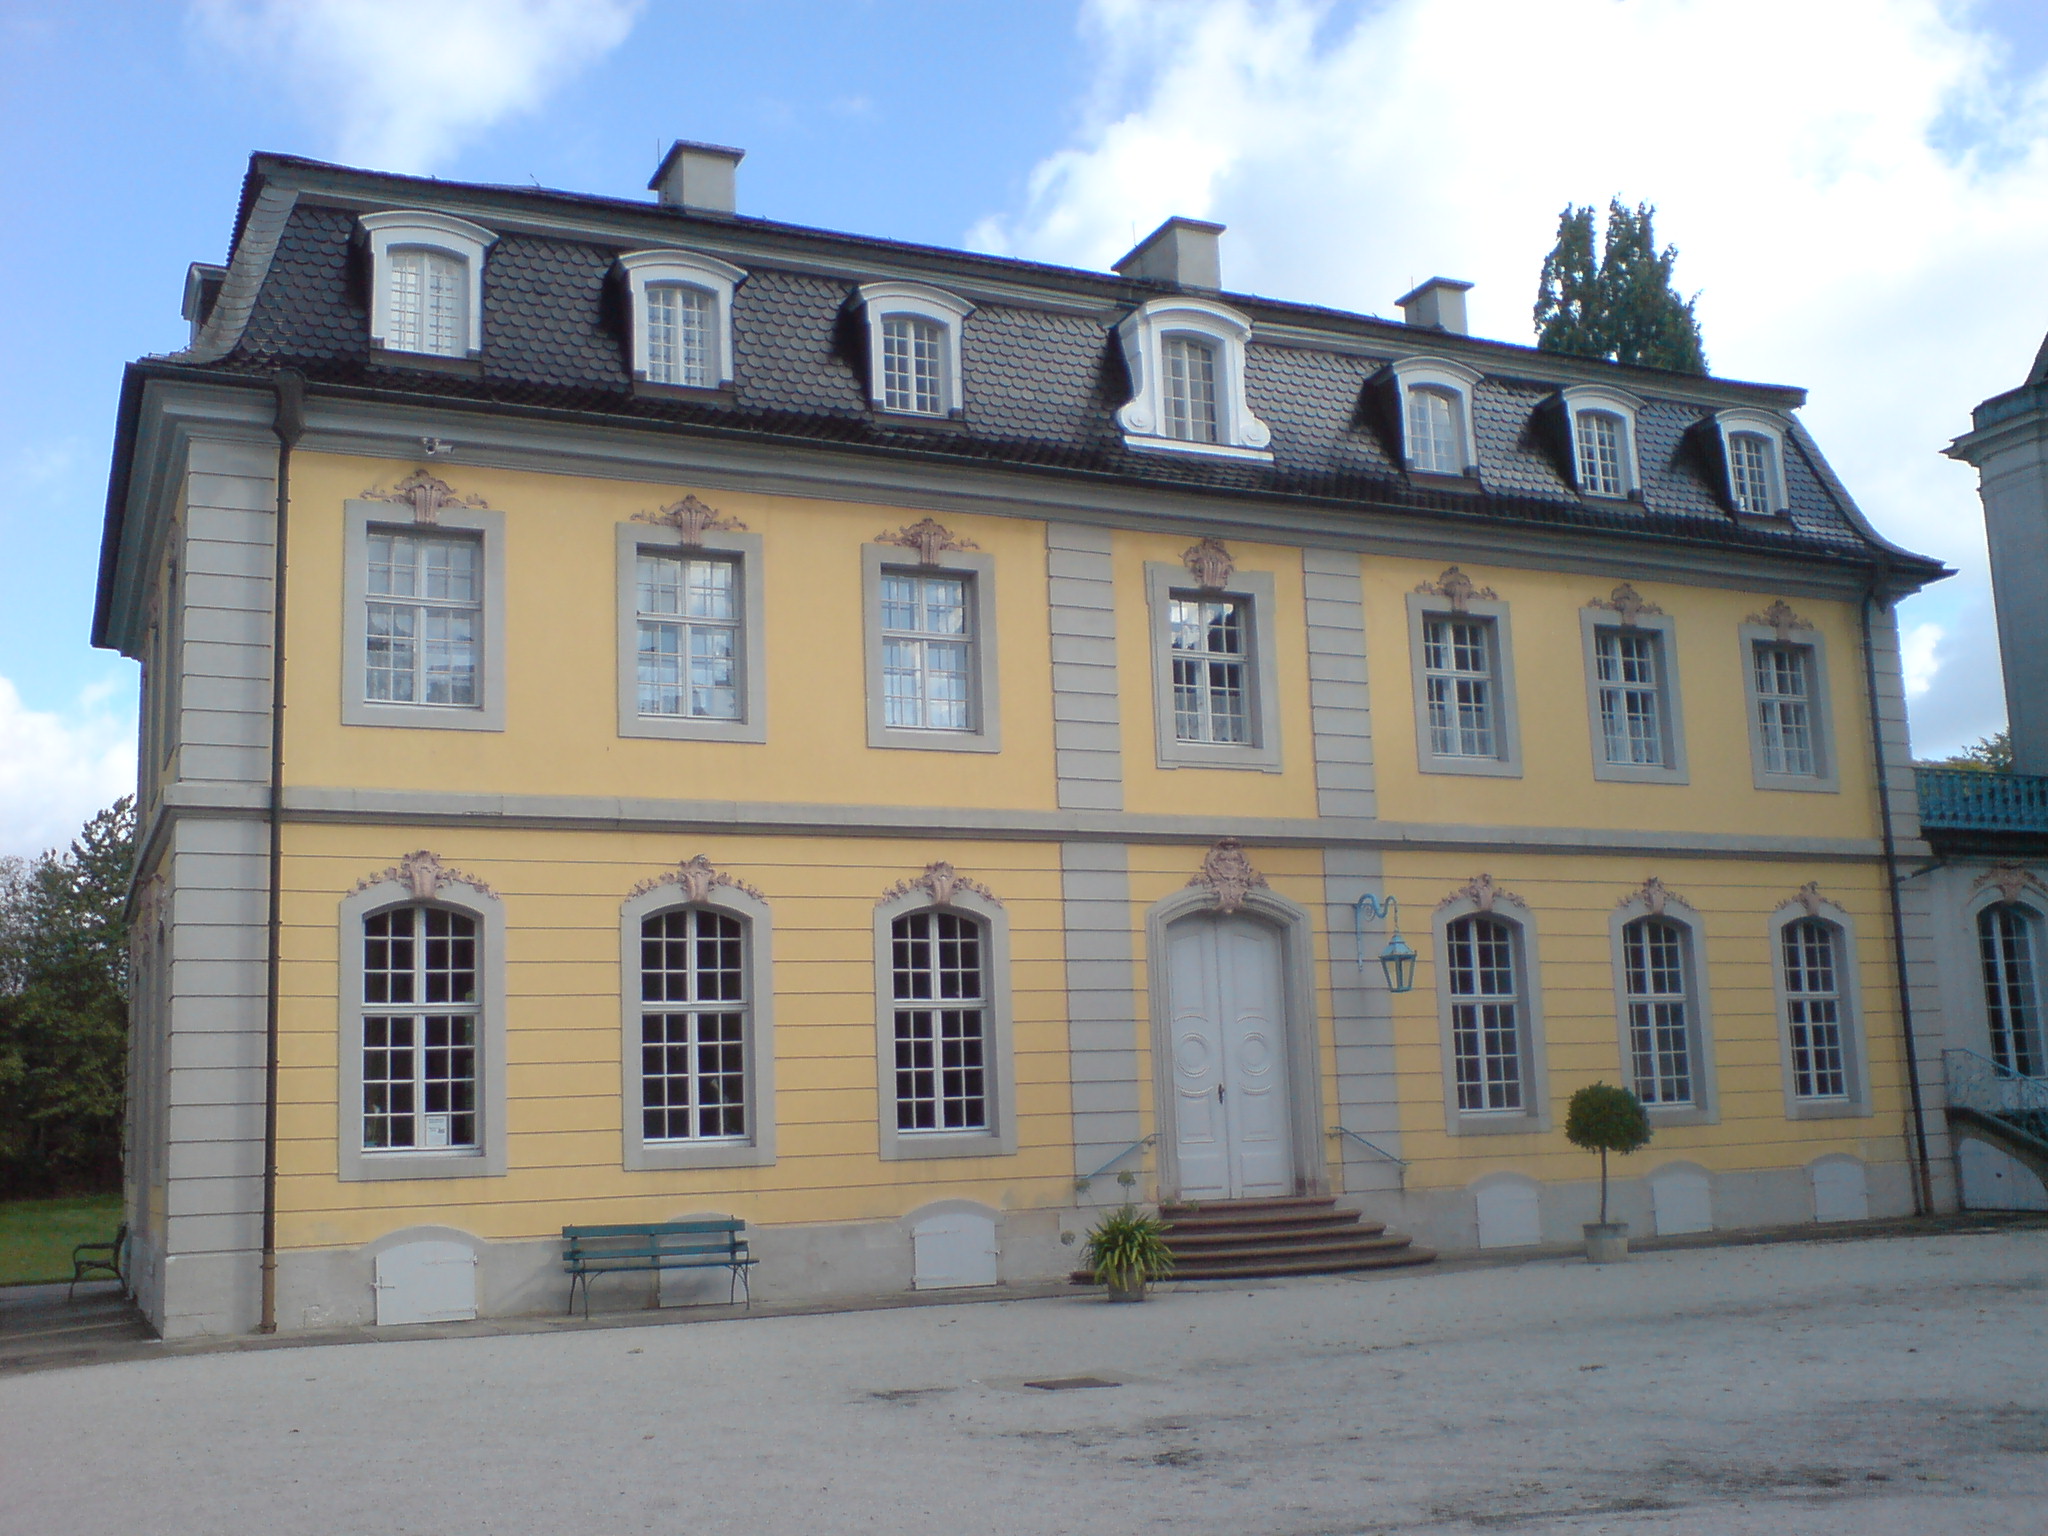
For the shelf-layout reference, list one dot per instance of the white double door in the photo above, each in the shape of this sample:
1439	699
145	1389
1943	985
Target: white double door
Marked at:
1232	1124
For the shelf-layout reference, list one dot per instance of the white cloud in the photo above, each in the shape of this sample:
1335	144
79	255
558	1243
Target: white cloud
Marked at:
57	770
1858	192
1918	657
402	85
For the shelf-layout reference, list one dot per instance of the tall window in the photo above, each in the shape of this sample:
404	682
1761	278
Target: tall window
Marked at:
419	1030
693	1026
424	614
1659	1000
1211	700
682	337
1459	685
941	995
1627	667
1753	472
2012	1001
1190	388
927	651
1486	1013
1784	705
689	628
1814	1008
1433	435
913	364
1602	467
428	303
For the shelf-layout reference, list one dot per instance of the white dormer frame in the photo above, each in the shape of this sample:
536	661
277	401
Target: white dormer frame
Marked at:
1143	333
1581	398
1439	373
1768	425
685	269
879	301
402	229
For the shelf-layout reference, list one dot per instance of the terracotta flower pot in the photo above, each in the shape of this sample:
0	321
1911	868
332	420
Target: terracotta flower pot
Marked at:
1606	1242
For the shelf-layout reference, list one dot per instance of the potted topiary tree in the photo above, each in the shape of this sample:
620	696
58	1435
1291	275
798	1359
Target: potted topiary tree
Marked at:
1127	1248
1602	1118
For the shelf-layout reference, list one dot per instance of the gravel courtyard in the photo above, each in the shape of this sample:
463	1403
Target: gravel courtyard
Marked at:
1877	1387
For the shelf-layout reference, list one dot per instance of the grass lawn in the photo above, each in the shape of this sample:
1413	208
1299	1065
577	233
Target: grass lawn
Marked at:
36	1236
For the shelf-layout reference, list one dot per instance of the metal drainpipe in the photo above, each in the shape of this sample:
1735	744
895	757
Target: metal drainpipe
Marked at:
1923	1183
289	423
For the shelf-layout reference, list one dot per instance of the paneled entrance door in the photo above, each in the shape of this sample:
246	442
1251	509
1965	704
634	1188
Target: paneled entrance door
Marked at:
1232	1121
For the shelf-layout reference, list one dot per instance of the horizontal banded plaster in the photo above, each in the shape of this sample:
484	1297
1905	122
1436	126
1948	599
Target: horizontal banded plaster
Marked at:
1102	1031
1340	704
1362	1026
1086	713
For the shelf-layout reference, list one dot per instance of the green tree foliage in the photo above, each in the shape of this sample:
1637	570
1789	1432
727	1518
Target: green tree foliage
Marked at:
1621	306
64	1010
1993	754
1603	1118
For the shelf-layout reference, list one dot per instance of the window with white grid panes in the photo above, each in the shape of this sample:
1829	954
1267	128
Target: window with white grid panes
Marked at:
419	1030
2012	1002
927	651
1480	970
1753	472
1190	365
1459	685
913	365
1658	983
427	303
682	336
1815	1009
1211	686
1628	667
689	635
425	612
1784	705
1603	446
693	1026
1435	441
941	996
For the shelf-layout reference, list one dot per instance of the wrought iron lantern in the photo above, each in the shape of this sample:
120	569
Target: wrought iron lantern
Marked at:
1397	960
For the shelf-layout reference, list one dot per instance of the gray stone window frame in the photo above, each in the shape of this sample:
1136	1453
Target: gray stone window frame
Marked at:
1827	780
1534	1115
1670	705
1506	763
980	573
1849	981
1255	589
2032	910
1000	1138
758	1150
487	1160
744	550
482	524
1705	1107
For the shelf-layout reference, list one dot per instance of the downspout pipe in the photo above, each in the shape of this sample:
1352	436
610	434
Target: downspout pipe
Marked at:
289	424
1923	1181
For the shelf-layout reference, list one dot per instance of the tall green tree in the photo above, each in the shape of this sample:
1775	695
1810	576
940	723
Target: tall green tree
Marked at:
1621	306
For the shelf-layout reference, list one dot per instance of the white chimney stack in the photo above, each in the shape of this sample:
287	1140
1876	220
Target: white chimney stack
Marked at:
698	177
1438	303
1183	252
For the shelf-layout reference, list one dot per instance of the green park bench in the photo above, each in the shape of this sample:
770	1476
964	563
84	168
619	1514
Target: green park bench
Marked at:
100	1258
656	1246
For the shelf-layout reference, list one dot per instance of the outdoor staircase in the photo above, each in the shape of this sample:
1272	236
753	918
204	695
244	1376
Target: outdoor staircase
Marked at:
1301	1235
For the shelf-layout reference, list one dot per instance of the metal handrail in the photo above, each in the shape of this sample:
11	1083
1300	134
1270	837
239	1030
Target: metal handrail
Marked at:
1081	1184
1975	1081
1339	1130
1970	799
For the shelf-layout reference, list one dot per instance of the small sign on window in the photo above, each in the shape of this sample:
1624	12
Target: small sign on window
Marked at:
437	1131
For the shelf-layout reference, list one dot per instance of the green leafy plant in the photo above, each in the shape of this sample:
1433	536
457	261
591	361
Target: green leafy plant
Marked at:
1621	303
1126	1248
1602	1118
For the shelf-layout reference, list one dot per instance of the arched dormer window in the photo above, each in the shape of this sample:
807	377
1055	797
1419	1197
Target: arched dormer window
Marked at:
1186	359
682	317
1434	407
913	335
426	283
1753	457
1602	423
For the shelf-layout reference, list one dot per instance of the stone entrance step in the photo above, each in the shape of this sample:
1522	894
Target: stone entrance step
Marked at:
1297	1235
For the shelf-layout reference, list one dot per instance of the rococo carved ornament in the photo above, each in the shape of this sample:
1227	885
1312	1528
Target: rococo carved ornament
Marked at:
930	538
692	519
426	494
1210	564
1227	872
696	878
1628	602
1780	617
1455	586
941	882
1809	897
423	874
2012	881
1654	896
1483	894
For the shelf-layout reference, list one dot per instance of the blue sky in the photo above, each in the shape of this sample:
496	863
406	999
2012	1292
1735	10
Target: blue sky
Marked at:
1864	205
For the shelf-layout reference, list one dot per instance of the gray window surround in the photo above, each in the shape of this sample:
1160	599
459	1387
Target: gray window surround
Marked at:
1000	1139
758	1150
1828	780
1849	976
980	571
1534	1115
1669	701
2029	906
1255	589
1578	399
1506	763
1705	1106
488	713
745	550
356	1165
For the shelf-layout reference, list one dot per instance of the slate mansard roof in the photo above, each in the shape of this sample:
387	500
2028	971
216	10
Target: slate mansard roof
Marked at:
1043	374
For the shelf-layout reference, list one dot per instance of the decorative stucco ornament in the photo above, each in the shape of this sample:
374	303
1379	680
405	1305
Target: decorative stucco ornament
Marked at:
1483	894
696	878
1227	872
2013	881
930	538
1210	564
1780	617
426	494
423	874
692	519
1809	897
1628	602
1455	587
941	882
1654	896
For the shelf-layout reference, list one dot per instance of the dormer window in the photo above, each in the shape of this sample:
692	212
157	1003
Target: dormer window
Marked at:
426	287
1603	440
1187	364
1434	408
682	317
1753	451
914	348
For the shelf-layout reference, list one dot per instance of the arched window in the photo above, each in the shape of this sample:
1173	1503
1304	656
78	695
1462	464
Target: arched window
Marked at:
939	984
693	1027
1483	976
913	365
1659	1004
914	336
682	336
428	302
1191	414
1751	473
1435	432
2012	999
1603	447
420	1030
1816	1010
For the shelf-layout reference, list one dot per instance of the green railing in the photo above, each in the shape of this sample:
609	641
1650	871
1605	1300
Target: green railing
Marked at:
1968	800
